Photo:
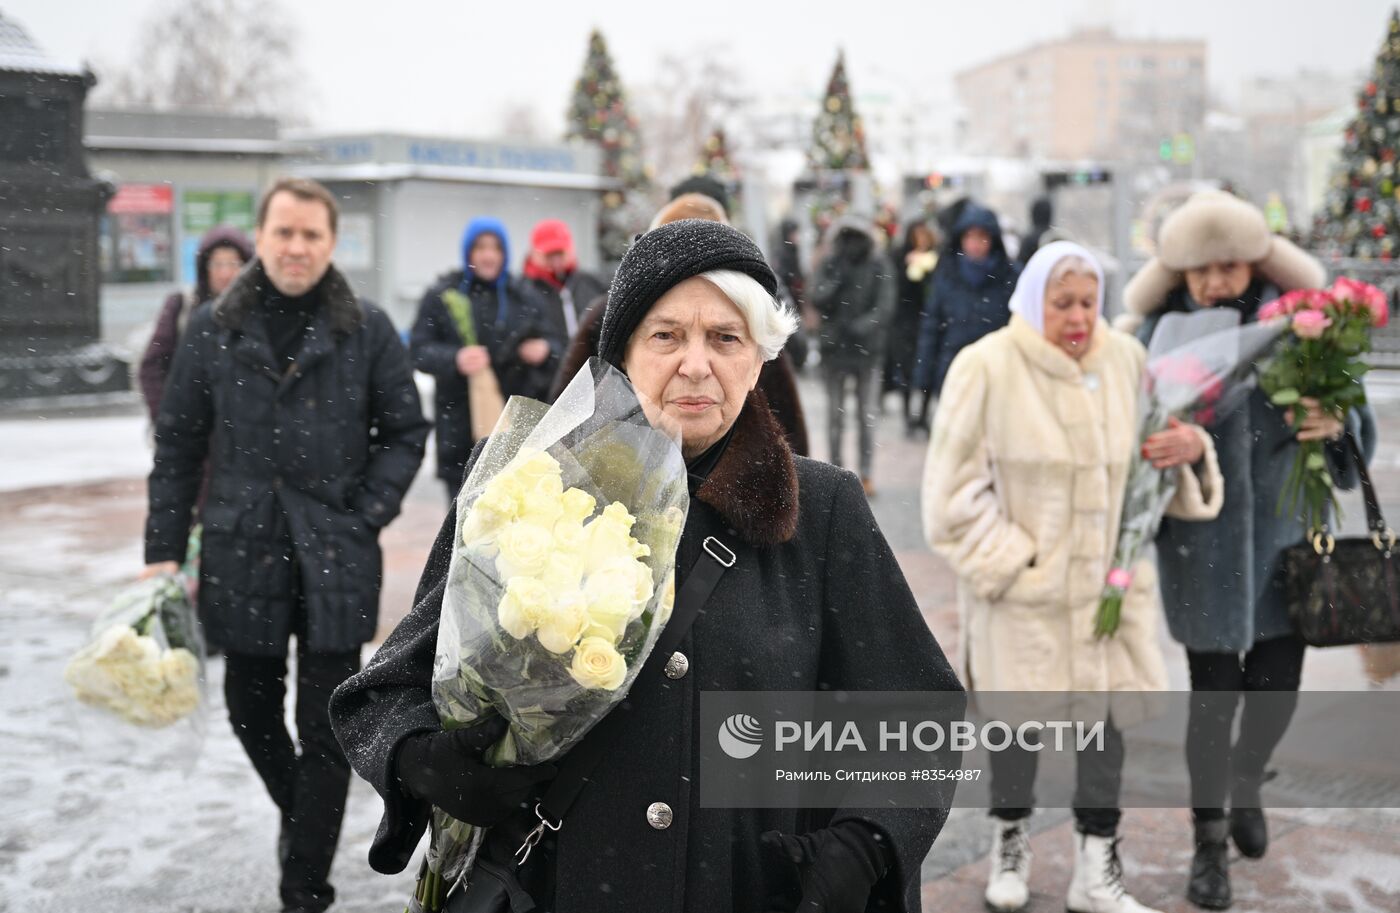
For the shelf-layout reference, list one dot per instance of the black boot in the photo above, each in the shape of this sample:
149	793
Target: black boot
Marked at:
1248	828
1210	867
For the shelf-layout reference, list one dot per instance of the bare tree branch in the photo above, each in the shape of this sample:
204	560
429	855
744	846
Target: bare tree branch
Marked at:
237	56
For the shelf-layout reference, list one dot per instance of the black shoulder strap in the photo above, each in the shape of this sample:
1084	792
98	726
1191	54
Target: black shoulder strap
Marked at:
1375	521
690	601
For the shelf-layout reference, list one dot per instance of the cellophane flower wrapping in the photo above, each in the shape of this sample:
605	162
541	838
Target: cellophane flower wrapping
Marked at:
1200	367
561	578
144	659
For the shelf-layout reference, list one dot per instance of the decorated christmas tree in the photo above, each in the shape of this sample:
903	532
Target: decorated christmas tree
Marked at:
715	160
598	114
838	138
716	163
1361	215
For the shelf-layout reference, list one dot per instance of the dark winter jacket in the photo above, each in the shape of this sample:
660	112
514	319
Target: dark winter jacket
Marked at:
777	380
1042	213
307	464
902	334
958	312
577	292
853	290
175	313
434	343
816	600
1221	587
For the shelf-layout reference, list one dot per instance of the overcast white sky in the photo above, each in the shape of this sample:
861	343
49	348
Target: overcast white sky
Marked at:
452	66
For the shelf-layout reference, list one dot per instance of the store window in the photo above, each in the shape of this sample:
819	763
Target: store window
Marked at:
201	210
137	242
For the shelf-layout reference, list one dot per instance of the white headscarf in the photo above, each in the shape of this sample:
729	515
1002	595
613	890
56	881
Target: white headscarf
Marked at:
1028	300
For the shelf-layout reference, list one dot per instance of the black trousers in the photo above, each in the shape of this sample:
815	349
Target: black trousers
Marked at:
309	786
1097	788
1223	770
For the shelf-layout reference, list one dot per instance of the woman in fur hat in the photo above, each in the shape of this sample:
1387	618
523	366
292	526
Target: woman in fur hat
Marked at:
1022	494
1224	599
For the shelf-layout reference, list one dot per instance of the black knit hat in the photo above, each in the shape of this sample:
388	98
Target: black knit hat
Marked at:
705	185
665	257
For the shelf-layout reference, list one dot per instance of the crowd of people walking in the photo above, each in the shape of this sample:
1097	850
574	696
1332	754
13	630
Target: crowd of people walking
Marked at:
288	423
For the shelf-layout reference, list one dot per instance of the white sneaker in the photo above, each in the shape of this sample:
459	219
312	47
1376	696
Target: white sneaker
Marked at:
1008	885
1097	886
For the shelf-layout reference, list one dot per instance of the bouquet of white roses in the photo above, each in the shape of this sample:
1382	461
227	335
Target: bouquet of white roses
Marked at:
560	581
145	659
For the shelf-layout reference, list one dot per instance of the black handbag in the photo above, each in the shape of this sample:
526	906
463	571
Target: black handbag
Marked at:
494	888
1346	591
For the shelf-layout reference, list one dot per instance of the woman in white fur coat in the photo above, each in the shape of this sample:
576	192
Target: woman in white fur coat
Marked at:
1022	494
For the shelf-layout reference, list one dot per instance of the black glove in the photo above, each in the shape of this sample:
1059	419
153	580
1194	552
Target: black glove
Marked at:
837	865
445	769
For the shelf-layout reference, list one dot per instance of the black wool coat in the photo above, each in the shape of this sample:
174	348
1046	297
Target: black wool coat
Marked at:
434	342
815	601
307	463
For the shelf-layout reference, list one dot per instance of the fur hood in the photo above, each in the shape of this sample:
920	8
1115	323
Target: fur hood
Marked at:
1211	227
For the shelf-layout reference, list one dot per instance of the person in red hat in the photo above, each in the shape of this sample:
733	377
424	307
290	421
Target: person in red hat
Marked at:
552	271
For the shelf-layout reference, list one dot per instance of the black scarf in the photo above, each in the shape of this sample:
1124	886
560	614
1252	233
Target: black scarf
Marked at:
699	468
288	317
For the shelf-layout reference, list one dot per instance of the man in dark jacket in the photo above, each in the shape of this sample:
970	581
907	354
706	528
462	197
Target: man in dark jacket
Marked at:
970	296
854	293
564	290
300	397
474	318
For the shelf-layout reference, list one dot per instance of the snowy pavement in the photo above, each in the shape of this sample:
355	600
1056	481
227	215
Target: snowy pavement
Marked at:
96	823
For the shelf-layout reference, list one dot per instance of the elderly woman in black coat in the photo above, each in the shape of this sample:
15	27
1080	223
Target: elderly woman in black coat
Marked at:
814	601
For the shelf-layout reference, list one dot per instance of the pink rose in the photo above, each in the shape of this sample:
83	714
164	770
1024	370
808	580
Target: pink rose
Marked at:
1120	578
1272	311
1317	299
1373	299
1310	324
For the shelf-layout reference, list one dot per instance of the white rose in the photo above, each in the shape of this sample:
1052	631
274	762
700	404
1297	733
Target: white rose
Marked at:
598	665
564	572
492	512
570	538
610	536
612	594
578	505
179	668
520	609
562	624
529	467
524	549
543	505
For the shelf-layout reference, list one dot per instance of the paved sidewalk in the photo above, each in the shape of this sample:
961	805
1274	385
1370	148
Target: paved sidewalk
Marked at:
87	828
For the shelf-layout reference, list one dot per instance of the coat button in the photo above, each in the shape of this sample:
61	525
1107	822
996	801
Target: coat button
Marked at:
677	666
659	815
